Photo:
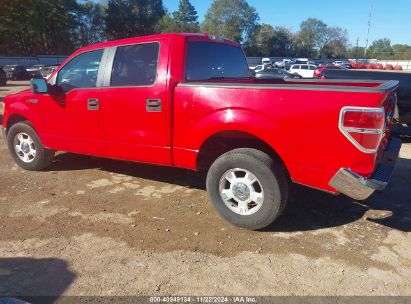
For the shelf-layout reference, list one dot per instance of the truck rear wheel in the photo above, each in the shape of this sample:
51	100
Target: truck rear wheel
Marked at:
247	188
26	147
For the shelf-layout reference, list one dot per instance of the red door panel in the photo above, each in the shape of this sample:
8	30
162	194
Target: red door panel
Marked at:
132	132
69	125
71	119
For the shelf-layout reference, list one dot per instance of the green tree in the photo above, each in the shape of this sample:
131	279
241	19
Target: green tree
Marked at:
186	13
233	19
129	18
333	43
356	52
90	23
281	41
310	38
184	20
167	24
401	51
37	27
315	38
270	41
262	41
380	49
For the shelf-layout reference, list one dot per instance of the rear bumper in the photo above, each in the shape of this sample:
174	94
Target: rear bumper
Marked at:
360	188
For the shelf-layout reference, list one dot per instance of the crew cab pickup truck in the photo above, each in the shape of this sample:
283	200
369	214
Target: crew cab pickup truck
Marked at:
187	100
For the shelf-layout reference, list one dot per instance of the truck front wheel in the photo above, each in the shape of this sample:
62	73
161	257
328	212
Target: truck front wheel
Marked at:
247	188
26	147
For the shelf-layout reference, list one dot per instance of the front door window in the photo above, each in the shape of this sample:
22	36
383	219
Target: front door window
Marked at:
80	72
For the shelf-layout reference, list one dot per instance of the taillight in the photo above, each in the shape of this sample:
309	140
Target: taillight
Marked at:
364	127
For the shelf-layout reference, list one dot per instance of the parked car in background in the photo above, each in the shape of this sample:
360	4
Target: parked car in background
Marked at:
265	61
276	74
259	68
343	63
35	70
3	78
46	71
288	65
305	70
16	72
318	62
300	62
317	72
282	63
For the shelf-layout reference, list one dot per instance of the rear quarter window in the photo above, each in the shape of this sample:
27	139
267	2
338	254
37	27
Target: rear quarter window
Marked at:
208	60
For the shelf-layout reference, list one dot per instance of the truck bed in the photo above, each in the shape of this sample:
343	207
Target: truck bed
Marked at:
297	118
403	90
350	85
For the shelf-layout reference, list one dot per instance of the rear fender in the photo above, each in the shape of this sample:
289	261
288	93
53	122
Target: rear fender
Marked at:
237	119
233	119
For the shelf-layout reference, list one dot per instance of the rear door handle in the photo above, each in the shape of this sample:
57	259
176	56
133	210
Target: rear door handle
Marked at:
153	105
93	104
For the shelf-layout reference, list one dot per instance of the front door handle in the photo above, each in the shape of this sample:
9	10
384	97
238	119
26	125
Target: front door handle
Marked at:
93	104
153	105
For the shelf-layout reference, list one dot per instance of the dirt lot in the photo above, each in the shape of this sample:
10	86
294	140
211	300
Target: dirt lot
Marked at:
90	226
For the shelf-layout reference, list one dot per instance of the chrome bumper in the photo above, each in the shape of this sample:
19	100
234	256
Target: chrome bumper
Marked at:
360	188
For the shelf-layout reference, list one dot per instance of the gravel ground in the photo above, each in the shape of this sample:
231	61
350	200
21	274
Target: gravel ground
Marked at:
90	226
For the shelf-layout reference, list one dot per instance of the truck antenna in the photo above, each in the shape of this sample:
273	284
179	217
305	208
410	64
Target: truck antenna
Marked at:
368	33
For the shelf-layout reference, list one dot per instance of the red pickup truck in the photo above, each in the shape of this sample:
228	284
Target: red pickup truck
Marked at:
187	100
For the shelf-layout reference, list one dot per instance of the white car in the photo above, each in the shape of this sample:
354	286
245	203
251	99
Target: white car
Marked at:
259	68
282	63
305	70
265	61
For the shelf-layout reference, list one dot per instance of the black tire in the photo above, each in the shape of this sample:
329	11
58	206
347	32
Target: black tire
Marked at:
43	156
271	176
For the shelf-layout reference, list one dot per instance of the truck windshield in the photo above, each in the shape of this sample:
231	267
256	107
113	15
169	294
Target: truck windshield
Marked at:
207	60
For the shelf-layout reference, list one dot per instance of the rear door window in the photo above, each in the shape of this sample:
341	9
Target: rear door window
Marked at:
135	65
304	67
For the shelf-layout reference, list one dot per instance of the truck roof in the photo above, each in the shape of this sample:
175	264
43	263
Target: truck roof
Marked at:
148	38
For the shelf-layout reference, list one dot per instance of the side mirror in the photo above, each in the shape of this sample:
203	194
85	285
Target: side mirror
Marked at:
39	86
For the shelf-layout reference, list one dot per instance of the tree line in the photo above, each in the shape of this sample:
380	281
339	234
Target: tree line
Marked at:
56	27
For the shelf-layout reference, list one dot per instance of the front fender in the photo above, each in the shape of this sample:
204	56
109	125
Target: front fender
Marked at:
15	109
18	106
